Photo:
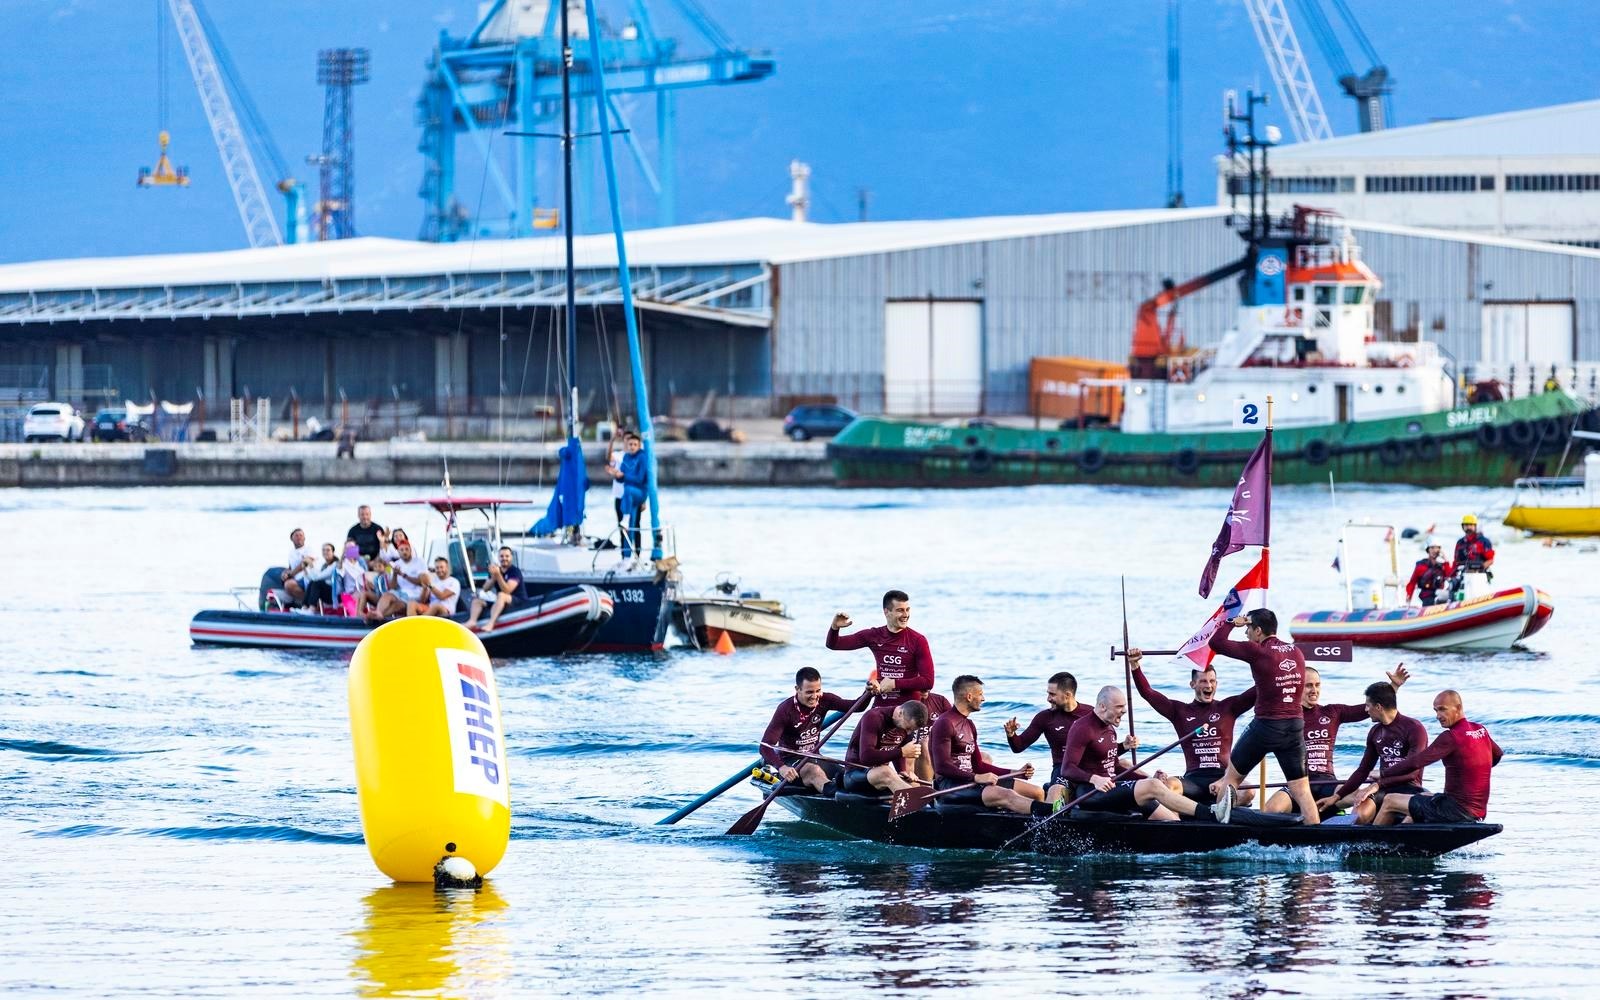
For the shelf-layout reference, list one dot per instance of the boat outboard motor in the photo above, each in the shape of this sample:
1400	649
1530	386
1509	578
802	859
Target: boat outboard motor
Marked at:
271	585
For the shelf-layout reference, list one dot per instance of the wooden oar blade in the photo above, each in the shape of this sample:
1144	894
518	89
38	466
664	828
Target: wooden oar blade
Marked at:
908	801
747	823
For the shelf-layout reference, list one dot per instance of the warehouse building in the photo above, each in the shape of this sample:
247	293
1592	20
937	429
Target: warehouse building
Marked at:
1531	174
915	318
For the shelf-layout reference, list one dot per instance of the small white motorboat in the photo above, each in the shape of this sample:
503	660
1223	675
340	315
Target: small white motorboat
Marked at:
747	618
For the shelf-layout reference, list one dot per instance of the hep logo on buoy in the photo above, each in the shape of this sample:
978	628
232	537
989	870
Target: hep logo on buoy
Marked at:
472	710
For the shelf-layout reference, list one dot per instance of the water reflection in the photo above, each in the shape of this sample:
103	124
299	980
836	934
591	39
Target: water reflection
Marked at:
418	941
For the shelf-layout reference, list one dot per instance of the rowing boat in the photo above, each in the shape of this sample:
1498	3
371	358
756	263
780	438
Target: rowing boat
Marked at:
965	827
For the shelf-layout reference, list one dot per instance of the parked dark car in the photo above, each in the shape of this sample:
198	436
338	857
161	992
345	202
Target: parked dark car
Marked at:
816	420
112	424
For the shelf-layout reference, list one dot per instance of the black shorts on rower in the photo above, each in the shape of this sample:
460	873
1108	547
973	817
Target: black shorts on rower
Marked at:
1438	808
1197	784
1283	738
1118	800
856	783
967	796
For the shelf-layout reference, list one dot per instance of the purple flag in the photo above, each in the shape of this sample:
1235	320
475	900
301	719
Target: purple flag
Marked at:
1249	516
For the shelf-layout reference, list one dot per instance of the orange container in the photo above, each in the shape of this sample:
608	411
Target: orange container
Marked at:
1057	389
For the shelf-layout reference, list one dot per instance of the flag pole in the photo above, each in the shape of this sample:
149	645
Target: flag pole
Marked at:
1261	792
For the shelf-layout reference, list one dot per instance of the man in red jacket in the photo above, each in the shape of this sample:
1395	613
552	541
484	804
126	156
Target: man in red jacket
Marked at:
1468	752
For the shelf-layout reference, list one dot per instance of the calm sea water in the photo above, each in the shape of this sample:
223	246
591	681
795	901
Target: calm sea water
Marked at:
183	822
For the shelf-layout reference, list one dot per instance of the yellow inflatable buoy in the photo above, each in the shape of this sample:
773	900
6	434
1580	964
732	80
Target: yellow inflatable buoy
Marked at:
430	751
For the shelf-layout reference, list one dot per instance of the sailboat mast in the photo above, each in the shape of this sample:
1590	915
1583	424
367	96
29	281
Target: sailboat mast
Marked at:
566	217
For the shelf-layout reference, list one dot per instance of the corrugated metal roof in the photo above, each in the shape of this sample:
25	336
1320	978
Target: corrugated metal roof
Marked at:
1557	130
774	241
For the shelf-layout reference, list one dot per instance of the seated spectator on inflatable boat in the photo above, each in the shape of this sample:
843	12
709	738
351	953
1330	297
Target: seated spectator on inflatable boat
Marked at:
440	592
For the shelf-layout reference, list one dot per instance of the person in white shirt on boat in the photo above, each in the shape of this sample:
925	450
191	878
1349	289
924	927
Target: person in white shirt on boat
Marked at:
614	470
440	592
409	570
296	569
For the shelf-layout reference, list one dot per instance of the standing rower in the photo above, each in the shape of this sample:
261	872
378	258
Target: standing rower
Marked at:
1468	753
1205	758
1278	728
953	747
903	661
1053	723
1392	738
1322	732
797	725
1094	759
886	742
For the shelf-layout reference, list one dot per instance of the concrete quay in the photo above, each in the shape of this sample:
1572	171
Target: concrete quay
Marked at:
382	463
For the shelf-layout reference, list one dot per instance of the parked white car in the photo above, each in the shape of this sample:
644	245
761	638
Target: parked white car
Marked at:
52	422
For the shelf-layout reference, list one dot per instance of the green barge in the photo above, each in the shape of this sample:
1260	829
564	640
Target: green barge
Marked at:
1486	444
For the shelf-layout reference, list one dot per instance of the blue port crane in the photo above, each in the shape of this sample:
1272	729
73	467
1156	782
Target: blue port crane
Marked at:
1302	103
220	87
507	73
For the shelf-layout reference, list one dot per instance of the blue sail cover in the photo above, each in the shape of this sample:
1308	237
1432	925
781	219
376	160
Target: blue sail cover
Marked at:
572	482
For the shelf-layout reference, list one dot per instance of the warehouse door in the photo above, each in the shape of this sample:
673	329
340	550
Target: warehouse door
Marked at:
1540	332
933	358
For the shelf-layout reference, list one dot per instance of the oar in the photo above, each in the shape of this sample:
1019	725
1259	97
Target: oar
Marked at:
1115	652
909	800
733	779
1068	807
819	758
1127	668
746	824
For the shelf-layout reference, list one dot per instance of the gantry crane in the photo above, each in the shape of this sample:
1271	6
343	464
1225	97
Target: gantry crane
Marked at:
214	76
507	72
1308	120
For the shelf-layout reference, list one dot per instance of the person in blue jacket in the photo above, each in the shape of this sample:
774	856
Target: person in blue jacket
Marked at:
634	477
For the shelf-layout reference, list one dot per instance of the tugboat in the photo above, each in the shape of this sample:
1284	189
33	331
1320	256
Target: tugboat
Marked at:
1346	403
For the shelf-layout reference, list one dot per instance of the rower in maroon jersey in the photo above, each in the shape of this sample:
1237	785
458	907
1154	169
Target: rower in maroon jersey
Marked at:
903	661
886	742
957	761
1205	757
1322	732
1061	694
1468	753
1279	671
1392	739
797	725
1093	761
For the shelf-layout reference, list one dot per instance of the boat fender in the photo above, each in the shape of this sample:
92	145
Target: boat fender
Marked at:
980	461
1427	447
1551	431
431	776
1490	435
1092	460
1186	461
1392	452
1317	451
1520	433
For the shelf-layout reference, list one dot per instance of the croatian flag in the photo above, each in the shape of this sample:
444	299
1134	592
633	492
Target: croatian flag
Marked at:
1249	516
1248	594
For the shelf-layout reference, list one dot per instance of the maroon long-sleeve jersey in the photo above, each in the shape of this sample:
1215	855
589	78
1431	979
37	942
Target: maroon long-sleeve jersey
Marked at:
953	749
1092	748
1468	752
903	657
1322	731
1213	718
877	739
1278	668
1053	724
794	727
1388	745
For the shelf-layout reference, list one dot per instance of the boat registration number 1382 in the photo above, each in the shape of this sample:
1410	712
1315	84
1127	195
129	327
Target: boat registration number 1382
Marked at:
632	596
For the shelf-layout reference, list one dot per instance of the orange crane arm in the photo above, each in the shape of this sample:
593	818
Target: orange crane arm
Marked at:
1150	341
